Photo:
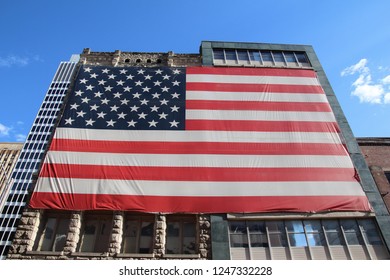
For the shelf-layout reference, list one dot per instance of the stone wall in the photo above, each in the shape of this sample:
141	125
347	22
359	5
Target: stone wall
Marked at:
26	236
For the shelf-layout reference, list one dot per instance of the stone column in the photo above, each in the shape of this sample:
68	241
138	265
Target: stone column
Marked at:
204	236
160	236
73	236
117	233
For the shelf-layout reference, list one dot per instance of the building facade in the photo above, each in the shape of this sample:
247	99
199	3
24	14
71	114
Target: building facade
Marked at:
48	230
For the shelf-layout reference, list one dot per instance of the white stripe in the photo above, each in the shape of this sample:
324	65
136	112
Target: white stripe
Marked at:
255	96
197	136
177	160
259	115
242	79
134	187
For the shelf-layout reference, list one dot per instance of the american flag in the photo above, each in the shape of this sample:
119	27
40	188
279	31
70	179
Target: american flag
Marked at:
198	140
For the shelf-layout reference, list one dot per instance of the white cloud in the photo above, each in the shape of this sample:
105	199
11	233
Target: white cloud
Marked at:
14	60
367	90
20	137
359	67
4	130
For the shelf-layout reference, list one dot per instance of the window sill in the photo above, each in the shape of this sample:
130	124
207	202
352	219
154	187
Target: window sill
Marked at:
134	255
181	256
89	254
45	253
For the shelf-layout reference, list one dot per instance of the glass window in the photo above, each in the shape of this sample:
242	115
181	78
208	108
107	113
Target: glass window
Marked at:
243	55
52	236
257	233
352	232
266	55
296	234
277	233
370	232
301	58
95	235
218	54
278	56
138	235
238	234
231	55
333	232
290	57
181	235
254	55
314	233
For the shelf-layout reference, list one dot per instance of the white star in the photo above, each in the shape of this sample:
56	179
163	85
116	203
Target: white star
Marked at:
175	109
112	76
127	89
69	121
141	71
156	95
93	75
122	115
159	71
152	123
144	102
94	107
89	122
117	95
79	92
138	83
88	69
142	115
132	123
109	88
105	71
166	77
163	115
110	123
175	95
105	101
101	115
98	94
123	71
83	81
176	83
174	123
154	108
124	101
164	102
85	100
147	77
89	87
134	108
164	89
102	82
129	77
146	89
74	106
176	71
136	95
157	83
81	114
114	108
120	83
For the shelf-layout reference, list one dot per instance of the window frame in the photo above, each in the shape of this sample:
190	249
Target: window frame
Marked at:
183	219
102	220
139	219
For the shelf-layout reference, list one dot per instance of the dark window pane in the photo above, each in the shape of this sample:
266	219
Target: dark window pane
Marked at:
352	232
266	55
254	55
316	239
256	227
301	57
231	55
218	54
278	56
290	57
370	232
243	55
259	240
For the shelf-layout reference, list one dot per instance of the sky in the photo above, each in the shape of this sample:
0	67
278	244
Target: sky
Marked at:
351	39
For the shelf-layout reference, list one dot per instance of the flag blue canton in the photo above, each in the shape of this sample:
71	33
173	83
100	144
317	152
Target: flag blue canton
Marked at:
127	98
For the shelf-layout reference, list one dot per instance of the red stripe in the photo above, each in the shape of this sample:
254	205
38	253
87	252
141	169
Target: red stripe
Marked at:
130	147
175	204
265	126
204	174
257	106
252	71
254	88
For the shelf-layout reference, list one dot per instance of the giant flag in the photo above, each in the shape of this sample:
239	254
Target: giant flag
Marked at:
198	140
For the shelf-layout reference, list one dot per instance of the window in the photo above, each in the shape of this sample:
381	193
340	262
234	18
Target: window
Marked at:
95	234
181	235
387	174
296	234
314	233
138	234
52	234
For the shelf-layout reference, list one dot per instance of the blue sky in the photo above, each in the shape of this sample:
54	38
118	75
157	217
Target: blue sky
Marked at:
351	39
